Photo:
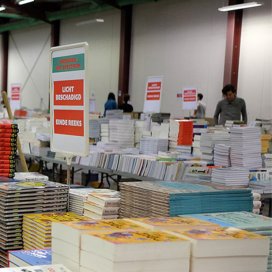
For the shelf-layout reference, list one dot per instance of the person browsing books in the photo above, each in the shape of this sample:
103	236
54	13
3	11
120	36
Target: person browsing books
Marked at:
126	107
110	103
231	107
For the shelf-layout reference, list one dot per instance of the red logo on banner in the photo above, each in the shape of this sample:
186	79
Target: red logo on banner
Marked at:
69	122
153	96
154	86
69	93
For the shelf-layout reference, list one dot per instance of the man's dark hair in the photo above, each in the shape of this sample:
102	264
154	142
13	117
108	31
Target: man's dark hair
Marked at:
111	96
227	88
126	98
200	96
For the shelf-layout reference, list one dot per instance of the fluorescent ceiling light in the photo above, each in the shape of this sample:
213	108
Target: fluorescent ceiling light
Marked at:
98	20
241	6
2	8
25	2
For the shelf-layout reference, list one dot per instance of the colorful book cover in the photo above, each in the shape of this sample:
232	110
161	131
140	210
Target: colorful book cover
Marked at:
137	237
44	268
218	234
34	257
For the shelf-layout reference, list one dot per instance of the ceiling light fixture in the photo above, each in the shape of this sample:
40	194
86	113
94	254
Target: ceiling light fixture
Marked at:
98	20
241	6
23	2
2	8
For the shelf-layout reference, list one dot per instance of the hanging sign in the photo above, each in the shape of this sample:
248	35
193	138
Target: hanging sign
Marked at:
15	96
189	99
153	93
69	99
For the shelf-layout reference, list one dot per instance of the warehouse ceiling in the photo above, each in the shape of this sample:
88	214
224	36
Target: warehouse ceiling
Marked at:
16	16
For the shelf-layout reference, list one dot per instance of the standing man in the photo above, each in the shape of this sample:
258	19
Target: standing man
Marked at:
231	107
201	107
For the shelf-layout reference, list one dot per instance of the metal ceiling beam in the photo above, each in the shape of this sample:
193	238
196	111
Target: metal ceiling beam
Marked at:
112	3
12	15
26	11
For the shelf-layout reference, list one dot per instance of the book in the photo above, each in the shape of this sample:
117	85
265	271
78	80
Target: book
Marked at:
129	246
40	268
30	257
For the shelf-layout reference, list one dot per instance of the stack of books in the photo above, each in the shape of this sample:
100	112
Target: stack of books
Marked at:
131	251
8	148
173	134
196	146
66	238
19	198
105	134
222	155
210	139
151	199
30	176
102	204
114	114
266	140
77	197
141	130
37	228
160	130
21	258
226	250
232	176
151	145
39	268
185	135
94	128
122	132
242	220
267	159
246	147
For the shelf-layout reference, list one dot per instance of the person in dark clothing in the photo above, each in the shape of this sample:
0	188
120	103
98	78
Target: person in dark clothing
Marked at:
231	107
110	104
125	106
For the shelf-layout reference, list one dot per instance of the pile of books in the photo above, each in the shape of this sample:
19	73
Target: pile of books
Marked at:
141	130
151	145
173	134
30	176
267	160
77	197
160	131
232	176
266	142
122	132
222	155
67	242
147	199
21	258
226	249
105	134
114	114
185	135
94	128
8	148
37	228
242	220
210	139
24	197
102	204
38	268
246	147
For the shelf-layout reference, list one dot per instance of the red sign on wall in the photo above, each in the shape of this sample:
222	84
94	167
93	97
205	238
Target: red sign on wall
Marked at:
68	122
154	86
153	96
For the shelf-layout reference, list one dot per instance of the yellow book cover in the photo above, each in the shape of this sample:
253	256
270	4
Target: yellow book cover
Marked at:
137	237
172	222
122	224
218	234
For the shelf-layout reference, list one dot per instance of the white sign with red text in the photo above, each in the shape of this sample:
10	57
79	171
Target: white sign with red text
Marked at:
153	93
15	96
69	93
189	99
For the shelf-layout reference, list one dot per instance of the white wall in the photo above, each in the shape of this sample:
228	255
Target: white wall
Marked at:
29	65
104	42
255	71
185	42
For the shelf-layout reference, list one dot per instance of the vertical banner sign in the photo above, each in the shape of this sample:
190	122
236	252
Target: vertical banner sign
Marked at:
69	99
189	99
153	93
15	96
